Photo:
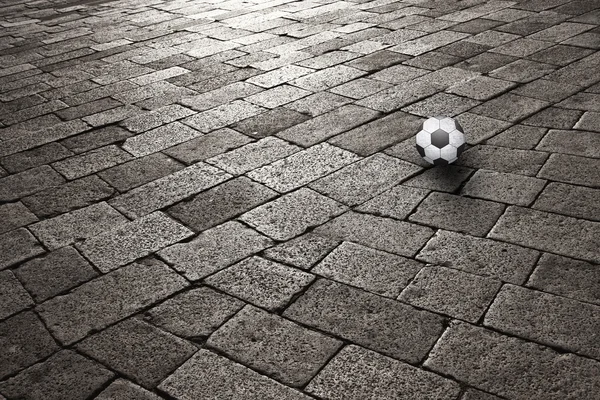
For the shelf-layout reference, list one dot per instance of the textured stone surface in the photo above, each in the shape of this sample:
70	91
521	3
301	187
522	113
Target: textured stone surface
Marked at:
504	188
303	251
13	297
16	246
15	215
28	182
575	201
125	390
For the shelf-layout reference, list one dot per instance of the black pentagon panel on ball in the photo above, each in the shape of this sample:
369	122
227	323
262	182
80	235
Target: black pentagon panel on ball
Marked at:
458	127
440	138
440	161
461	148
421	150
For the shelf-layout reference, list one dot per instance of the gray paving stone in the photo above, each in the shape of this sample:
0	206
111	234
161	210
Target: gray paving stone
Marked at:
472	394
398	96
290	215
274	346
579	143
554	117
446	77
303	251
15	215
427	43
566	236
54	273
277	96
461	214
445	179
168	190
279	76
546	318
546	90
126	242
566	277
571	169
377	60
95	138
502	159
69	196
575	201
318	103
379	134
503	187
448	291
397	202
155	118
490	258
202	147
217	97
160	138
130	348
86	109
13	296
270	122
373	270
14	187
485	62
360	88
64	376
589	121
358	182
222	116
510	107
44	154
25	341
122	389
107	299
384	325
487	360
209	375
194	314
356	373
481	88
478	128
91	162
303	167
522	71
253	155
327	125
214	249
17	246
433	60
518	137
441	103
327	78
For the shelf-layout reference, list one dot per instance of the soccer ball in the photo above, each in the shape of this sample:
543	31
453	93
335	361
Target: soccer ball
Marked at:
441	140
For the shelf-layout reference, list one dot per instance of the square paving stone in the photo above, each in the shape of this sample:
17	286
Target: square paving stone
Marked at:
373	270
486	257
17	246
445	179
14	187
66	375
303	167
572	169
107	299
518	137
25	341
214	249
575	201
458	213
397	202
132	348
122	389
220	203
451	292
54	273
356	373
487	360
502	159
15	215
13	296
261	282
555	233
278	348
207	375
385	234
563	276
510	107
378	323
547	319
194	314
358	182
503	187
303	251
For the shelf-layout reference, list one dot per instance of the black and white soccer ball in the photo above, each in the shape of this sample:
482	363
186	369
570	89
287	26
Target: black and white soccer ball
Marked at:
441	140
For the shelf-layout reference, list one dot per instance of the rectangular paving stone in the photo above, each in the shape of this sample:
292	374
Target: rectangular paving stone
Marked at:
77	225
194	314
69	196
14	187
566	277
448	291
269	122
379	134
223	116
318	103
91	162
107	299
130	347
159	75
397	202
303	167
221	203
502	159
222	95
143	122
503	187
206	374
206	146
37	138
279	76
427	43
96	138
303	251
290	215
579	143
487	360
17	246
13	296
327	125
510	107
274	346
377	323
122	389
44	154
518	137
127	242
25	341
90	108
160	138
214	249
522	71
327	78
358	182
15	215
356	373
572	169
398	96
555	233
575	201
557	118
385	234
278	96
168	190
457	213
546	318
447	179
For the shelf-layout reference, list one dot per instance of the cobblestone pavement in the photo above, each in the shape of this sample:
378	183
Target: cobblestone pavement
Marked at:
212	199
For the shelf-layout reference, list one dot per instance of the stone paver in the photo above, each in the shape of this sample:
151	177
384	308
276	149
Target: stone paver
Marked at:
18	245
125	390
303	251
503	187
13	296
